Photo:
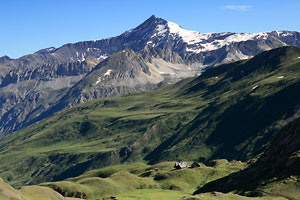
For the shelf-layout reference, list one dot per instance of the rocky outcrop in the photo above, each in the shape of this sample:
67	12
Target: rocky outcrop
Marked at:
46	73
25	94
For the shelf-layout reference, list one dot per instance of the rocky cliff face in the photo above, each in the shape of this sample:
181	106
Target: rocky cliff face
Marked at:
24	94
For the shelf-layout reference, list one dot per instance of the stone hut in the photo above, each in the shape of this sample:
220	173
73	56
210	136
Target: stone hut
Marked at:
180	165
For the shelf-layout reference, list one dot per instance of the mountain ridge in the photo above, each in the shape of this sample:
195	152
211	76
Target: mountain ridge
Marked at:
172	52
154	24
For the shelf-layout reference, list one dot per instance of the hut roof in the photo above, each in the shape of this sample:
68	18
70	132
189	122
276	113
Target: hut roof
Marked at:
180	165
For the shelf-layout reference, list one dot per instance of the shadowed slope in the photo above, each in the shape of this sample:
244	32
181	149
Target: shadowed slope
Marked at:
275	173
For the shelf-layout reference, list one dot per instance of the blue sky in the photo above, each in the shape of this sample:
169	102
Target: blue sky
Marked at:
30	25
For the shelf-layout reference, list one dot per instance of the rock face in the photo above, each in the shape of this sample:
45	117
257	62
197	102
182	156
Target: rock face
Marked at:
24	94
161	52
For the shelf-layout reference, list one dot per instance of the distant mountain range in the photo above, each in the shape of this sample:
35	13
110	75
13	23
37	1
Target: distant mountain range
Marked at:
156	52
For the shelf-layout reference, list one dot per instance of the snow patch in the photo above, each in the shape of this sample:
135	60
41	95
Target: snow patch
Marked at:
202	42
50	49
102	57
102	39
163	73
255	87
149	42
80	56
284	33
280	77
299	57
190	37
92	49
98	81
107	73
161	30
239	37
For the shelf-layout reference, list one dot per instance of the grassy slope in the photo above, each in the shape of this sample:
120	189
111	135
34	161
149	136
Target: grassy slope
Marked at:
230	196
214	116
127	178
275	173
134	181
100	126
28	193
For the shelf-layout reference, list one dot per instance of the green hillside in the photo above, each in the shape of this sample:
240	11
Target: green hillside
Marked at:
231	111
275	173
124	179
29	193
134	181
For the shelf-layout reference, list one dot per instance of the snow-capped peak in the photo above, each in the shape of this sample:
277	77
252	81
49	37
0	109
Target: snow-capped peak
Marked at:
201	42
188	36
284	33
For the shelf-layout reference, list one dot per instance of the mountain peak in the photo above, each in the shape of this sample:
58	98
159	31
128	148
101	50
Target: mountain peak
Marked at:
152	17
162	25
152	22
4	59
